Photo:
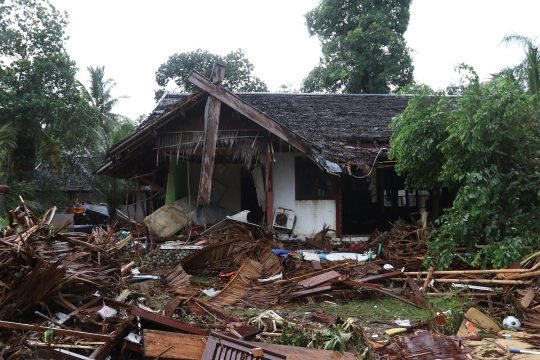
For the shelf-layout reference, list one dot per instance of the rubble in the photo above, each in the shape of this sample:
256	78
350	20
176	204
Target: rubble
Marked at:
163	312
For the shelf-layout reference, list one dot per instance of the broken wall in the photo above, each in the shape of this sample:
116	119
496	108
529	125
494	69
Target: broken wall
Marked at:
311	215
225	183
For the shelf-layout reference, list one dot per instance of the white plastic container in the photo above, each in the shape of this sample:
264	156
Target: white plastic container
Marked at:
169	219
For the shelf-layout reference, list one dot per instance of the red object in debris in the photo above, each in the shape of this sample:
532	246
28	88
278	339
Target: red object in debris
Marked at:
356	248
222	274
470	327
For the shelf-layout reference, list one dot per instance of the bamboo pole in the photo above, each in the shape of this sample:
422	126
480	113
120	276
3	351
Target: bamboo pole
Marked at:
462	294
523	276
78	334
463	272
476	281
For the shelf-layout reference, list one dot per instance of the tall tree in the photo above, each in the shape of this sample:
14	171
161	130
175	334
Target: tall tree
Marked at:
238	73
101	98
529	69
114	127
363	46
484	144
39	95
112	190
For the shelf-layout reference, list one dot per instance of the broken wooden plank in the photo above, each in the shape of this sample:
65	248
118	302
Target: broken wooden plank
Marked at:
245	332
77	334
313	291
358	283
162	320
316	265
324	318
415	289
319	244
319	279
397	297
528	298
428	279
302	353
184	346
171	306
379	276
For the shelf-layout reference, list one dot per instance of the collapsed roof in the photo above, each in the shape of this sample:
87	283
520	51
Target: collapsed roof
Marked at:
343	128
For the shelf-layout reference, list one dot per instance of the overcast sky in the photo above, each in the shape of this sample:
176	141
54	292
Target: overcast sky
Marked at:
133	37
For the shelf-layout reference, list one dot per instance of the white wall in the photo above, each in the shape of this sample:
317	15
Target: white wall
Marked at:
311	215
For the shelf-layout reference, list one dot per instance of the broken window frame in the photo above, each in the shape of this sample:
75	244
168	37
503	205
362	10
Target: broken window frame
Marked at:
305	169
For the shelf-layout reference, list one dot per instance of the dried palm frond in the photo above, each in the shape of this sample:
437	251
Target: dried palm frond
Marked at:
236	289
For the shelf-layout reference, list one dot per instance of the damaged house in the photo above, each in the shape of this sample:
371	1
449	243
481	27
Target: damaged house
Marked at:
297	162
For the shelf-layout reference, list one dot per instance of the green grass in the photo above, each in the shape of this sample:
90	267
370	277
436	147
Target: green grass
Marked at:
373	309
205	281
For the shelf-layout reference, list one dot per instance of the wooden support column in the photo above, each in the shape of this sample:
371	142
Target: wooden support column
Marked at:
211	124
337	191
269	187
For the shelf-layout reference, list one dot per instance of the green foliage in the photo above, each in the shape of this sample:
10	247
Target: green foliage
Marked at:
333	338
47	336
484	144
293	336
39	95
101	99
529	70
238	72
363	46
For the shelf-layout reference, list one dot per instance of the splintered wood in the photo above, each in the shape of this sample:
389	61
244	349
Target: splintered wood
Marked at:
178	281
236	289
39	264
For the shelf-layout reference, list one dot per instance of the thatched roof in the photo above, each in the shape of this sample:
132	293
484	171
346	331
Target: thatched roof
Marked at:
335	123
72	174
341	126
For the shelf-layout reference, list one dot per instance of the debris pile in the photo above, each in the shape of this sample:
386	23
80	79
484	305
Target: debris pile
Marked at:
39	266
402	245
191	310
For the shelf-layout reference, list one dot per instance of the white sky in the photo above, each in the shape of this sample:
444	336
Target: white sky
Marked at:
133	37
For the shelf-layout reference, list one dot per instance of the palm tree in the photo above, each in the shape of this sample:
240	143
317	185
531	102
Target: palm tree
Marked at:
112	190
100	97
530	67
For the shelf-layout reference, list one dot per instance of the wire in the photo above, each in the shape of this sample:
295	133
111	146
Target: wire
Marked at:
372	166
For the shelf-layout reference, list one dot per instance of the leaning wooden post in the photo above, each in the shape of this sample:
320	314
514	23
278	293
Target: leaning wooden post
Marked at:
211	124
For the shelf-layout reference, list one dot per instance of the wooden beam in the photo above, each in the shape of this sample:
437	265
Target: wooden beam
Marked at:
77	334
153	185
319	279
379	276
211	120
247	110
269	188
211	125
218	73
302	353
170	322
183	346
